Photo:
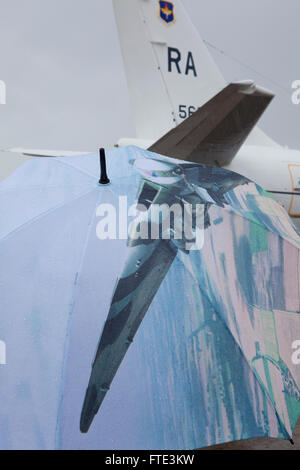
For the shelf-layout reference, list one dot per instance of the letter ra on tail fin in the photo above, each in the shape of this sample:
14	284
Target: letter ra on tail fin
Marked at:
175	57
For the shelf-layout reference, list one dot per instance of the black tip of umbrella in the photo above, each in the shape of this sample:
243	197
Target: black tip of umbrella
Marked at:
292	442
103	175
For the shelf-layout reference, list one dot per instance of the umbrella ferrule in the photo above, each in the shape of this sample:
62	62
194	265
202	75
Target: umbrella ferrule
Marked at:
103	174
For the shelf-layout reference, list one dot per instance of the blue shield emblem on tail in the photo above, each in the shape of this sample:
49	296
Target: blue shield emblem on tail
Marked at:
167	11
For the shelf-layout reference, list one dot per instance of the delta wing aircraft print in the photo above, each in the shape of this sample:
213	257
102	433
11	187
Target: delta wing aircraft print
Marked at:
249	219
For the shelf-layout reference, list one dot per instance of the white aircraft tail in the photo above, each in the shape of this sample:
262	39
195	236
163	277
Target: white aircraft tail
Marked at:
169	70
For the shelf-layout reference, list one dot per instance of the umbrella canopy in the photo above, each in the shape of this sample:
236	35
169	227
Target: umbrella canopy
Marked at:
116	339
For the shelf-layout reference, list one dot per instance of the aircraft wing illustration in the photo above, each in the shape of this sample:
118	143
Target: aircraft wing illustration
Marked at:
214	134
142	276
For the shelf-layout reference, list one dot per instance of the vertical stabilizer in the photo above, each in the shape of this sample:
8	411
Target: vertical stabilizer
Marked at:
169	70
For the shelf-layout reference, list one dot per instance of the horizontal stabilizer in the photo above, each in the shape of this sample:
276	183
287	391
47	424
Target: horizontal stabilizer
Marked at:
216	131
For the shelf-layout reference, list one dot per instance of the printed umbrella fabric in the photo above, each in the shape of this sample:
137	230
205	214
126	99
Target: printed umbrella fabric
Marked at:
212	360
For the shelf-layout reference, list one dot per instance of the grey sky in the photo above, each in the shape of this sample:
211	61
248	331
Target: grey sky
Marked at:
66	87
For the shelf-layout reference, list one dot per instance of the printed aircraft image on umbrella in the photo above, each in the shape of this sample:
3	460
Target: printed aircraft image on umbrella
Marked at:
149	260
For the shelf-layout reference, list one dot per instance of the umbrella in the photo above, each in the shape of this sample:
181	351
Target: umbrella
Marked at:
120	340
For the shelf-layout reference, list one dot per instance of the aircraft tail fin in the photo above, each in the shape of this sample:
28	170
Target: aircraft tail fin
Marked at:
169	70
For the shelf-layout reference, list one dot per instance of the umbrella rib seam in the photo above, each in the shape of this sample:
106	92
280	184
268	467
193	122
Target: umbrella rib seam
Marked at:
80	170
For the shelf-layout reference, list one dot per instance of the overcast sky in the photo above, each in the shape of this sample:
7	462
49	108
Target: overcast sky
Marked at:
66	87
